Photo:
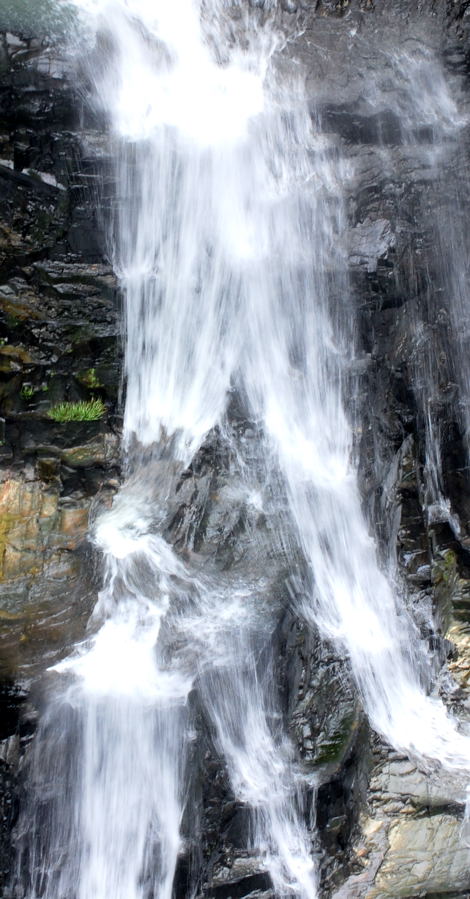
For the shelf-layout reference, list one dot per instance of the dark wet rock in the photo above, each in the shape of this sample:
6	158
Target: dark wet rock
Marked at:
49	184
28	204
11	704
314	671
370	242
58	341
8	814
358	128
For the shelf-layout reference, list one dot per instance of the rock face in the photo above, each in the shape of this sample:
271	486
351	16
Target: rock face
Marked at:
58	341
58	330
386	827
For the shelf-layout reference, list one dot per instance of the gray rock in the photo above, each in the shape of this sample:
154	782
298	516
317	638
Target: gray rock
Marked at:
425	856
369	242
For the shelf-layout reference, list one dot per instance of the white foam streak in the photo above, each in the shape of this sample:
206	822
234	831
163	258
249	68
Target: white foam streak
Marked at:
119	836
261	765
180	87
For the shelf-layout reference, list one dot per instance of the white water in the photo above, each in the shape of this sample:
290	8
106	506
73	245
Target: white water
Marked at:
426	104
228	246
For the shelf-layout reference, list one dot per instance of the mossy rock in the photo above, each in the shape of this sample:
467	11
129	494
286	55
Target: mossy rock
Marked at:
88	455
446	585
335	747
13	358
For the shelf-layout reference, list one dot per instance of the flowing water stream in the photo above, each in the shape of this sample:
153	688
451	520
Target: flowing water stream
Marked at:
227	241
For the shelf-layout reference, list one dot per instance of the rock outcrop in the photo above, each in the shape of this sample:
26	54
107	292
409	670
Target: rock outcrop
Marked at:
58	341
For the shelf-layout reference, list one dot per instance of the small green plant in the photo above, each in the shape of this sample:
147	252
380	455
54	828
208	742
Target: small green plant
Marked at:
90	378
27	391
86	410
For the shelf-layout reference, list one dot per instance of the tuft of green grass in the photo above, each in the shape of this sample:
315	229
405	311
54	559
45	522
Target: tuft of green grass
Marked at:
86	410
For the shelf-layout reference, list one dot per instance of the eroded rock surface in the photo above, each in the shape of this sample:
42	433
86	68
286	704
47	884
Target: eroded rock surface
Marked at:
58	341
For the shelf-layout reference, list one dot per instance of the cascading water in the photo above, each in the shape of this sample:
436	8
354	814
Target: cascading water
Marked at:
429	124
227	243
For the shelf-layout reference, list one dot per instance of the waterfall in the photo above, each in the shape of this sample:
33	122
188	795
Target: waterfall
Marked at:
228	241
429	124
